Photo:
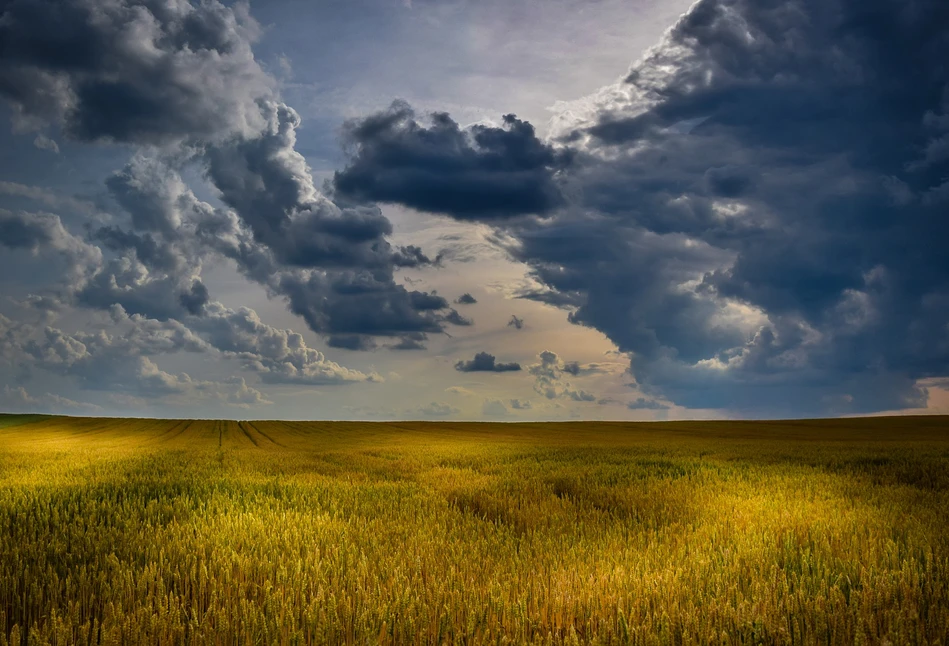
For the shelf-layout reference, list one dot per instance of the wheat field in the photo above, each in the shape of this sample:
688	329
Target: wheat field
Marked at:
126	531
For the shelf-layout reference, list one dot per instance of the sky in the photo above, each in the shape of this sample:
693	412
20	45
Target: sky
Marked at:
494	210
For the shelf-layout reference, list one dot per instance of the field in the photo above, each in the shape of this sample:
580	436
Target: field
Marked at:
173	532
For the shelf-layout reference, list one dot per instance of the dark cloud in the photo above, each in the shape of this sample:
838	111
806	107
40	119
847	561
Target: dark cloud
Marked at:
35	231
334	266
132	71
194	300
147	249
351	342
466	299
151	193
455	318
515	322
571	368
484	362
567	301
21	231
269	185
154	268
729	181
127	282
183	76
641	403
803	172
42	260
345	289
482	173
521	404
755	212
411	341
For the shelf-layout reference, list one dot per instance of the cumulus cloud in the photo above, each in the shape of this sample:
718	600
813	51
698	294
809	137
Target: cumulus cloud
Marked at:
122	360
118	364
778	278
485	362
278	356
466	299
269	185
180	84
521	404
550	377
132	71
333	265
482	173
753	213
348	295
39	250
34	231
183	76
236	392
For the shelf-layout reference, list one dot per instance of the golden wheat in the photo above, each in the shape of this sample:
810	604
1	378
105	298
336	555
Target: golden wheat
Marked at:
217	532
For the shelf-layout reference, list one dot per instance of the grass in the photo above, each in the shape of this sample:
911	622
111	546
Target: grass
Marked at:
200	532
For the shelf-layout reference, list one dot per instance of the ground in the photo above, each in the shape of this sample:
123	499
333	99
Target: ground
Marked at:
171	531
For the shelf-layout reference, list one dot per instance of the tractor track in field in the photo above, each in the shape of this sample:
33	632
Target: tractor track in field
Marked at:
256	428
245	431
176	430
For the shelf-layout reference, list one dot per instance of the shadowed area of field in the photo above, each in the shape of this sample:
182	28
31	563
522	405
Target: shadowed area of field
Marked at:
34	430
210	531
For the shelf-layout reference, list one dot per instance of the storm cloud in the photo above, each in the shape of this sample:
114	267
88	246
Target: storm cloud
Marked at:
132	71
481	173
183	77
755	213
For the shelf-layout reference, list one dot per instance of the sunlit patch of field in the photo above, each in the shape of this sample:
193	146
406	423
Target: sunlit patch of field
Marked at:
166	532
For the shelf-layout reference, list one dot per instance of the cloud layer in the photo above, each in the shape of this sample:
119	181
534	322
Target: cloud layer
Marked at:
755	212
179	83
